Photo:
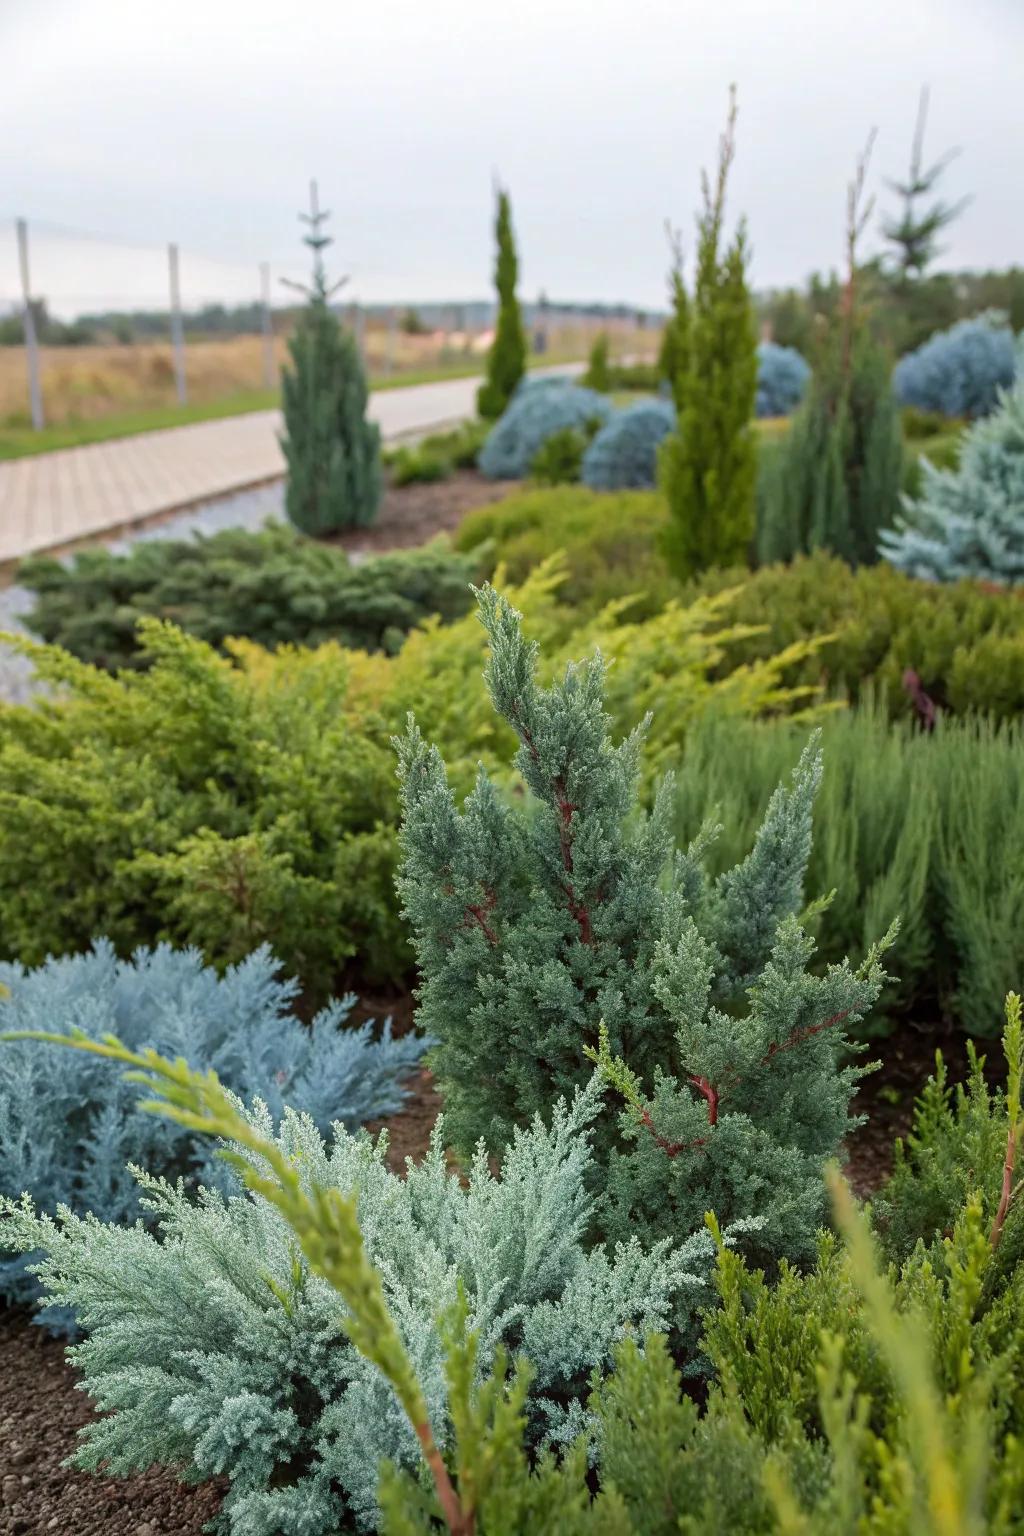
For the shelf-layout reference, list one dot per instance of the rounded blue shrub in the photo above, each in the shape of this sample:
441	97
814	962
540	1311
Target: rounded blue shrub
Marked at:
70	1123
533	417
624	454
782	376
959	372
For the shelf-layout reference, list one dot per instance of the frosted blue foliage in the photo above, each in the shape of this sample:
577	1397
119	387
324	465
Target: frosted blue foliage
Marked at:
624	454
959	372
782	376
70	1125
532	417
969	521
212	1349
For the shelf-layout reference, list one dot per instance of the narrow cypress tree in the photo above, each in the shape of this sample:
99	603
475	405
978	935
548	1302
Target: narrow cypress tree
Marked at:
835	483
675	338
709	466
571	930
506	362
332	451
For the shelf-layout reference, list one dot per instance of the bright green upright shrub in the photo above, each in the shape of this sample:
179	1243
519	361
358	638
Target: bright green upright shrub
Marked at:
709	465
598	374
506	361
929	826
332	451
547	933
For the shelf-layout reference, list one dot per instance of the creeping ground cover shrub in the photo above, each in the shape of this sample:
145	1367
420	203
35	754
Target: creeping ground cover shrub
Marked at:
532	417
782	377
216	1347
68	1136
575	930
969	521
274	587
841	1395
959	372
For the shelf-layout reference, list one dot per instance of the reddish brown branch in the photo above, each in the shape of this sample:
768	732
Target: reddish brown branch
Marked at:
798	1036
710	1093
460	1522
670	1148
479	914
1007	1191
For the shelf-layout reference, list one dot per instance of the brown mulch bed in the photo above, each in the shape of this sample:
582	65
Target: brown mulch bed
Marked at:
412	514
40	1411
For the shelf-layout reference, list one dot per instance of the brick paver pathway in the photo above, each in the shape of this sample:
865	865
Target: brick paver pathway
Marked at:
54	500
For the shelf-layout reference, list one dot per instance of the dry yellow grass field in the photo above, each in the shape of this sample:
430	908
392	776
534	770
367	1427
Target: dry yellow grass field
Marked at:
82	384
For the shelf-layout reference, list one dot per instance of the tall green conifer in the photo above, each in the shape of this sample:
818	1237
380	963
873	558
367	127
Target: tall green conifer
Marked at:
506	362
709	466
332	451
570	930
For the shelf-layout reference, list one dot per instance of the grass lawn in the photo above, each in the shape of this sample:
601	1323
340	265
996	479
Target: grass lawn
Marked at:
17	442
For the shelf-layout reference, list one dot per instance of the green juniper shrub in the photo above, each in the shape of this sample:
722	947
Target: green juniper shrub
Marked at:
437	455
274	587
506	361
193	803
418	466
709	465
609	543
572	927
558	460
927	825
332	450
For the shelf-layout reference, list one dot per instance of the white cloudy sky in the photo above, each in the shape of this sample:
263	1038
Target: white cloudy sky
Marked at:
142	121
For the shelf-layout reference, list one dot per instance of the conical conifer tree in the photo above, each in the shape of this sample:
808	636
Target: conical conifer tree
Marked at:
506	362
709	465
570	930
332	451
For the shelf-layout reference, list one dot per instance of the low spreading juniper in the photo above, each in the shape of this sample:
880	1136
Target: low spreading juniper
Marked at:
567	927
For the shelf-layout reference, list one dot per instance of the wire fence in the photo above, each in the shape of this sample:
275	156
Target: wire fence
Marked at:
93	326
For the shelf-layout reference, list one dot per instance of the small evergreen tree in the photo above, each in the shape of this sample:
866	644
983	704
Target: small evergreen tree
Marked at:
709	466
332	451
913	232
835	482
598	375
506	362
572	929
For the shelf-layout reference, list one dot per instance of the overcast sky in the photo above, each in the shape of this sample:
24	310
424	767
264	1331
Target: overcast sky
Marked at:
143	121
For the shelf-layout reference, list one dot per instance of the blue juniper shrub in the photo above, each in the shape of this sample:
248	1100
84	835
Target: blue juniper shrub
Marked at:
69	1127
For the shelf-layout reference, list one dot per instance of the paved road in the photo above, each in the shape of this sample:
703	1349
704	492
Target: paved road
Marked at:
54	500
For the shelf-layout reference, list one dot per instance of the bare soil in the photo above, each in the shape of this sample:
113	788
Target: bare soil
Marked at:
412	514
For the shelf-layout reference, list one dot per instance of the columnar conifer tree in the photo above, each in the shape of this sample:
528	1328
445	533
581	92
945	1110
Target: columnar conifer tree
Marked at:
506	362
332	451
569	930
836	481
709	466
